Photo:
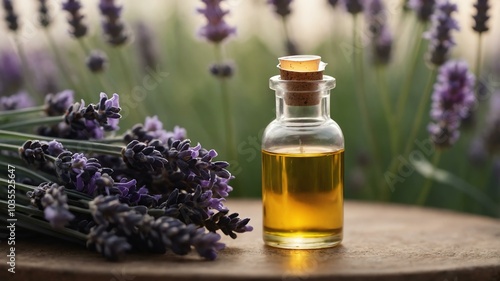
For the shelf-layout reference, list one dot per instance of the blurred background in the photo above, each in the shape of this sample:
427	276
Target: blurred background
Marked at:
165	44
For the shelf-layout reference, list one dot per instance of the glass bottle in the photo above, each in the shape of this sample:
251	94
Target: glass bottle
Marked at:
302	167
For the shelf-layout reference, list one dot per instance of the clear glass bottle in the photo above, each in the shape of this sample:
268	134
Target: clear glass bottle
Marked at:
303	168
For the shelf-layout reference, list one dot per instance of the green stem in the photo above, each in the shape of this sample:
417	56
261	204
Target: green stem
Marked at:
79	144
26	70
424	193
386	103
59	61
23	111
10	147
417	120
361	99
86	51
32	122
226	110
126	70
478	62
405	92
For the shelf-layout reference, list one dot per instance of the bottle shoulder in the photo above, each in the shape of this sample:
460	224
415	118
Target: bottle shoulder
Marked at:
327	133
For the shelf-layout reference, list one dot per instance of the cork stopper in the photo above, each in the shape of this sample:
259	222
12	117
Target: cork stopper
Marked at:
305	69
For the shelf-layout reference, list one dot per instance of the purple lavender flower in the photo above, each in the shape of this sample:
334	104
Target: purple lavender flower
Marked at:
11	76
54	148
140	156
10	15
107	243
43	10
381	35
57	104
452	99
216	29
382	46
353	6
281	7
113	27
33	152
75	19
153	129
423	8
50	198
439	34
108	112
97	61
16	101
481	17
492	137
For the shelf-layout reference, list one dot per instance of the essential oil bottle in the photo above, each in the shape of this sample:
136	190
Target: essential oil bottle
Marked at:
302	160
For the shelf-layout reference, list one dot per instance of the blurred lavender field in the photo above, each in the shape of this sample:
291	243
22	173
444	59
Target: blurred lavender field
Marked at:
398	91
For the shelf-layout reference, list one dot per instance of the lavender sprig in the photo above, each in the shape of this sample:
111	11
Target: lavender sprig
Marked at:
51	199
452	99
75	19
353	6
143	231
153	129
481	17
10	15
113	27
216	29
57	104
97	61
43	10
439	34
423	8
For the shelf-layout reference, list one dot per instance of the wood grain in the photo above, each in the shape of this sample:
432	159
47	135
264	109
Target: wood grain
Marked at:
381	242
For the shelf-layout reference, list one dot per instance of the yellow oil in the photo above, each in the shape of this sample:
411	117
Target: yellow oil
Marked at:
302	193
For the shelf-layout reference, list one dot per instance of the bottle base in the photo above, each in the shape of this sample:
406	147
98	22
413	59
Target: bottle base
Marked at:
298	241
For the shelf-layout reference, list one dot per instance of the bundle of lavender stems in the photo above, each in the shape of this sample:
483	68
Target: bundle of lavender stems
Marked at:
147	190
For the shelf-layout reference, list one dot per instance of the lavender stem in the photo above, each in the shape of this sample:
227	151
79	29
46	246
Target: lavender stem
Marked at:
31	122
22	111
424	193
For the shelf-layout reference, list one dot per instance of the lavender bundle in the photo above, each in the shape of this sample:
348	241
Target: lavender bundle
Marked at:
155	192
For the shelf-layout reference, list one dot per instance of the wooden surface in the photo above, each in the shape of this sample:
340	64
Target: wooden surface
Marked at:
381	242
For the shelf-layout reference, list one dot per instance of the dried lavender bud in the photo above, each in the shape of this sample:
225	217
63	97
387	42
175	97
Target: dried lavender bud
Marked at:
439	33
75	19
50	198
153	129
113	27
229	225
156	235
481	17
108	112
189	167
216	29
281	7
10	15
97	61
333	3
453	97
192	207
11	74
107	243
43	10
146	47
18	100
57	104
492	137
223	70
423	8
353	6
140	156
54	148
33	152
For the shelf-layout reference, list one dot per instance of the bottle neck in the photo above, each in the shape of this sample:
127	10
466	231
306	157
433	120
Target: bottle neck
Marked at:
289	112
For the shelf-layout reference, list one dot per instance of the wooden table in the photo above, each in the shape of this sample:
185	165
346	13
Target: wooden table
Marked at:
382	242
